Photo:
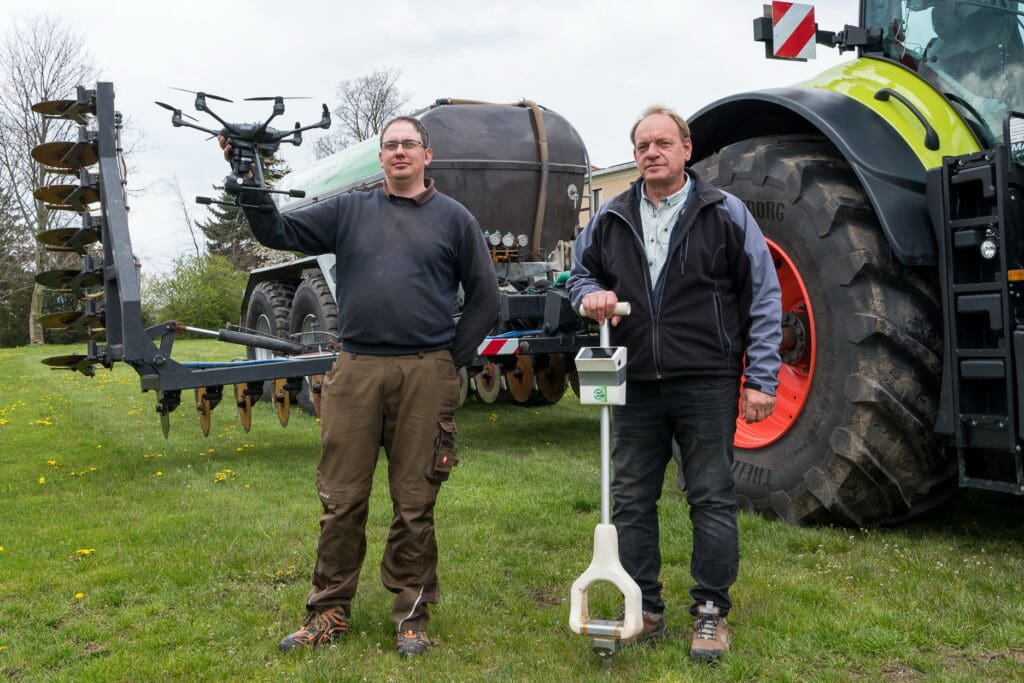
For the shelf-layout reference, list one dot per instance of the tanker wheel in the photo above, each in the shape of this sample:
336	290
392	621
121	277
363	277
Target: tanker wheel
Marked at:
313	320
851	441
487	383
267	314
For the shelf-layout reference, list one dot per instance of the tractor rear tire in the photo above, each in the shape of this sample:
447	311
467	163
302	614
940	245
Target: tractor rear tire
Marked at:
267	313
313	320
861	451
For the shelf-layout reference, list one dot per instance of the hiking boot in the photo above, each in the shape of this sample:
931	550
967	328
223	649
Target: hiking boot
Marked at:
318	628
653	630
710	634
409	643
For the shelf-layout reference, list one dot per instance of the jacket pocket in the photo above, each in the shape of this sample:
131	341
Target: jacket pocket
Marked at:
723	335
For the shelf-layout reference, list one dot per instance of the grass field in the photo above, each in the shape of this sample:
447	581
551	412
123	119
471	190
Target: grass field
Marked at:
124	556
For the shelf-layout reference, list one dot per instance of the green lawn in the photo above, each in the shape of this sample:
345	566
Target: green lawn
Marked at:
128	557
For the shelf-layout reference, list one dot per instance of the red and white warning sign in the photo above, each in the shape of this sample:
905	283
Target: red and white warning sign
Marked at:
793	30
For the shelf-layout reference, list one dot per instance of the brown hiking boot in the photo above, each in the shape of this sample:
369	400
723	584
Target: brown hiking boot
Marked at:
409	643
710	634
653	630
318	628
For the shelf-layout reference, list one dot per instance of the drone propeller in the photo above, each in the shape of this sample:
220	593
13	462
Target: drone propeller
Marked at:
278	97
204	94
175	110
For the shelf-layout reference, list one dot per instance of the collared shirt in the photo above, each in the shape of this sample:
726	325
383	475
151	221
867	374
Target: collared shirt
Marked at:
658	221
420	199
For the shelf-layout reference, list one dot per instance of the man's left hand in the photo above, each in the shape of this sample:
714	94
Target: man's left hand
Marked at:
757	405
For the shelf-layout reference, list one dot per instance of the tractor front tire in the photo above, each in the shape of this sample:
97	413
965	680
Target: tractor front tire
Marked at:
860	451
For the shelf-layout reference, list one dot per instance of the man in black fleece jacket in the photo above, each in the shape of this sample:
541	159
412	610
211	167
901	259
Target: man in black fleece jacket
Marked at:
402	251
706	310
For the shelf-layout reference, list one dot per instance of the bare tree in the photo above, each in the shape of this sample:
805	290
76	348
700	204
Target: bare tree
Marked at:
365	105
41	59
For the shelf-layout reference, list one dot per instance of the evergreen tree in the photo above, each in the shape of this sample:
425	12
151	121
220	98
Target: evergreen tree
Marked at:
226	230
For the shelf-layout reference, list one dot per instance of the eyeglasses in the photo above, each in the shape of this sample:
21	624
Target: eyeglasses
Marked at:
392	145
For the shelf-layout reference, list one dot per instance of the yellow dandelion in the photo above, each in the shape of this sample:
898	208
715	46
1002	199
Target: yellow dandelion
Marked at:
248	486
42	480
79	595
85	551
51	463
71	474
159	473
1	548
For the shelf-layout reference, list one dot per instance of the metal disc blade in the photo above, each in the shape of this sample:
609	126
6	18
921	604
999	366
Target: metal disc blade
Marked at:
70	239
574	382
488	383
520	379
551	379
203	409
282	401
71	320
61	107
82	364
65	155
60	320
244	402
62	195
63	279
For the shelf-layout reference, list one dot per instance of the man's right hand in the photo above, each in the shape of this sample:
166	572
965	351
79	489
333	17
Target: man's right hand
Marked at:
601	306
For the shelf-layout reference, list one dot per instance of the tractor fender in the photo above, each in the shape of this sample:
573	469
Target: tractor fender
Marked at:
891	173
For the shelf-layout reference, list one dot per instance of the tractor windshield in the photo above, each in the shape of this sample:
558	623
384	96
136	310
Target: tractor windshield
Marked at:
970	50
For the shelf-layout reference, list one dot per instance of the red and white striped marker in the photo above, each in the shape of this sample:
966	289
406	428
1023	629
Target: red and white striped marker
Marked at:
498	347
793	30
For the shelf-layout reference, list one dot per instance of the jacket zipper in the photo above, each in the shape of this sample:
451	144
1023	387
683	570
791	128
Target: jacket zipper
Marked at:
655	306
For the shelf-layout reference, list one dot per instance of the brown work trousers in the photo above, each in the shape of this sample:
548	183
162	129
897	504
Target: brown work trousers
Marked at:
405	404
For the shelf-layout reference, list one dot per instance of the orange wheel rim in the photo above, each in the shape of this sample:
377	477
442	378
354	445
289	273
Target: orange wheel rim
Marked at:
794	379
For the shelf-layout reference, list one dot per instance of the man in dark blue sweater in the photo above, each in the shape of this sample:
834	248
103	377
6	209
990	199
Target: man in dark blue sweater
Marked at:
402	252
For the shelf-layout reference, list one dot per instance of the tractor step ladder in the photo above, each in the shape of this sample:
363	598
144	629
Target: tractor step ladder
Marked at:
982	264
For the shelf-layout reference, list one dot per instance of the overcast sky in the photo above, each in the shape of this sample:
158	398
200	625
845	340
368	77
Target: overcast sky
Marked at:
597	63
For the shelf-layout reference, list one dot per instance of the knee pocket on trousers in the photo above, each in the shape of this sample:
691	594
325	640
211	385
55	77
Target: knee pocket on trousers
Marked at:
444	456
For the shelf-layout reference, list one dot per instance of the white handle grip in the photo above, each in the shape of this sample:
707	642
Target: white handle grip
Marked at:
621	308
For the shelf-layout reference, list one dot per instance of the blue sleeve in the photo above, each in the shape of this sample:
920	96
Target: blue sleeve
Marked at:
765	332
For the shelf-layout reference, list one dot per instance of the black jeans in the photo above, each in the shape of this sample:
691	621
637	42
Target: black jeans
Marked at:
700	414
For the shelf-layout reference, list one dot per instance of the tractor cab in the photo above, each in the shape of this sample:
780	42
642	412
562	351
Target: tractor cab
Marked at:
972	51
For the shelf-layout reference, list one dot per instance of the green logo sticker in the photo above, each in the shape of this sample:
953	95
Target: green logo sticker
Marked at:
601	394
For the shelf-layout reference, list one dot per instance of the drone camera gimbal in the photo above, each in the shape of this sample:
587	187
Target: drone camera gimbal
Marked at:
248	142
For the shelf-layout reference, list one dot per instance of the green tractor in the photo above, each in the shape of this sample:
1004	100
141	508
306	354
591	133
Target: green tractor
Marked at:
890	193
